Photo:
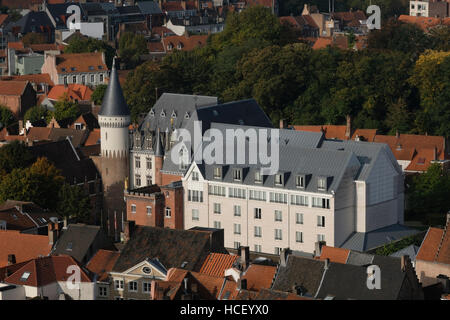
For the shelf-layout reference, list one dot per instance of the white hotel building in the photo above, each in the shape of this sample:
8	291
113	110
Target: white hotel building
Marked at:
325	190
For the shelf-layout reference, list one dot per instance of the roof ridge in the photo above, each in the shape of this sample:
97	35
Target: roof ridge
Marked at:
441	242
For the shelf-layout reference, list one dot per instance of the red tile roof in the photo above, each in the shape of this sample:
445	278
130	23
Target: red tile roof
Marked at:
38	133
102	263
259	277
338	255
23	246
171	6
33	78
46	270
12	87
44	47
436	245
187	43
425	23
3	17
155	46
93	138
74	91
216	264
18	45
81	62
322	43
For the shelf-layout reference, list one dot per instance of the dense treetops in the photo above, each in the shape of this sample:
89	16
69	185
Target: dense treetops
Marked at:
401	82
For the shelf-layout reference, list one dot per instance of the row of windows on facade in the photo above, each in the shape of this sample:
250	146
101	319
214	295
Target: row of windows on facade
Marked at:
133	286
275	197
300	180
137	162
419	7
278	215
277	251
83	79
138	181
167	210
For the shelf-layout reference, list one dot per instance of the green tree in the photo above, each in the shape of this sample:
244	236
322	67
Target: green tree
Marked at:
66	110
36	183
97	95
431	76
79	44
428	194
131	47
15	155
74	203
36	114
6	116
33	38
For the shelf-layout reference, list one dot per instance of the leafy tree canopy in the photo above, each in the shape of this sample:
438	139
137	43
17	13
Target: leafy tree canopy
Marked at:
74	203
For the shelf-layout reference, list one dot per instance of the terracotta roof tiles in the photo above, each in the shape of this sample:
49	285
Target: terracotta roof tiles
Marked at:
338	255
102	263
23	246
12	87
80	62
216	264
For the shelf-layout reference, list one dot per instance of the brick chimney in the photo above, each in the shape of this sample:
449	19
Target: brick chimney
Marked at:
53	230
128	230
245	257
348	128
11	259
404	262
283	124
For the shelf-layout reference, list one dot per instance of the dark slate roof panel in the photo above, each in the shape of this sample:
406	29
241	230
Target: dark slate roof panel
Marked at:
171	247
300	271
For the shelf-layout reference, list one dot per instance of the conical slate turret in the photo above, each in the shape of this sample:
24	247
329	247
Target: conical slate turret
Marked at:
114	103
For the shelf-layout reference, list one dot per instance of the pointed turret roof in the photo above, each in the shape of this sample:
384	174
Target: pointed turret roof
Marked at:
114	103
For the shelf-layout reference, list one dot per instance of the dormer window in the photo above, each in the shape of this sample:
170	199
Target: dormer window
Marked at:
152	113
258	177
279	179
174	115
322	183
237	174
91	68
300	181
163	114
180	46
218	173
186	116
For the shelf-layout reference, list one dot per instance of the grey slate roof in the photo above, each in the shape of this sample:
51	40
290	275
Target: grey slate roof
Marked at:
114	103
299	271
149	7
182	106
79	238
346	281
360	241
410	251
31	22
299	154
171	247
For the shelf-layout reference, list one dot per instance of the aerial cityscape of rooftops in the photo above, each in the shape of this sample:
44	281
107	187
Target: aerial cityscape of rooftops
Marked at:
224	150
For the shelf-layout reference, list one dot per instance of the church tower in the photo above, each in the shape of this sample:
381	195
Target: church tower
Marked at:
114	119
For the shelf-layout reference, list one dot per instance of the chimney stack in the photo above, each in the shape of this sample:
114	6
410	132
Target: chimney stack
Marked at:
53	230
11	259
348	128
245	257
128	230
283	124
326	264
242	284
318	248
284	256
403	262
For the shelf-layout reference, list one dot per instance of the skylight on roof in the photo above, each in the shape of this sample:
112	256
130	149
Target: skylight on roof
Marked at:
69	246
25	276
100	67
91	68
